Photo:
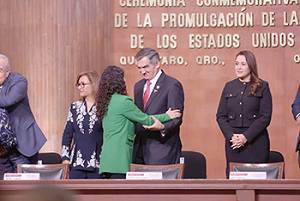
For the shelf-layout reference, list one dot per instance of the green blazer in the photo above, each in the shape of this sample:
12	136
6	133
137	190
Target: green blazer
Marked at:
118	133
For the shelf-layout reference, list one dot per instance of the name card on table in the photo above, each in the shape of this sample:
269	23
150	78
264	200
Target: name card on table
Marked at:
143	175
247	175
21	176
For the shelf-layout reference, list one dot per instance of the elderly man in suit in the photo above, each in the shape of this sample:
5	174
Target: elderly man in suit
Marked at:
14	99
155	94
296	113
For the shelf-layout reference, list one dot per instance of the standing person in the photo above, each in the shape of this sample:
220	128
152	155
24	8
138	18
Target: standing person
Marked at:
154	94
7	142
244	113
296	114
118	114
14	99
82	137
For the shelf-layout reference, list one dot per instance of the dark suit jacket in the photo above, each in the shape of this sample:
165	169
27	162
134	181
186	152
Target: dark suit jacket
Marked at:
296	110
13	97
152	147
241	112
238	109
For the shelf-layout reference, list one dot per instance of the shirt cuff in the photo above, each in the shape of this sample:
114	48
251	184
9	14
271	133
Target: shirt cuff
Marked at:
297	116
163	132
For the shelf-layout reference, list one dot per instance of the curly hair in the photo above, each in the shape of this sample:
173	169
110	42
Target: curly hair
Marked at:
111	81
255	81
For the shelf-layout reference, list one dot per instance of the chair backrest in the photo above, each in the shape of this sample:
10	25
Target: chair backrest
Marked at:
194	165
47	171
273	170
49	158
275	157
171	171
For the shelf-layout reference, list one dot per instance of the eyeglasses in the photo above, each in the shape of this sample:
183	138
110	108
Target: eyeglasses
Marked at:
82	84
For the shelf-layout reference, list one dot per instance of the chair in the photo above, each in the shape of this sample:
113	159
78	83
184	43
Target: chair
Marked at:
275	157
47	171
49	158
273	170
194	165
171	171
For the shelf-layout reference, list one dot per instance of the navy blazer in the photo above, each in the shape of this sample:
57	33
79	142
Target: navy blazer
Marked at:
153	147
14	98
244	111
296	111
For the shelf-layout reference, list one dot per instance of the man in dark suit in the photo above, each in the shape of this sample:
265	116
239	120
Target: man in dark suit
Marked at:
14	99
155	94
296	113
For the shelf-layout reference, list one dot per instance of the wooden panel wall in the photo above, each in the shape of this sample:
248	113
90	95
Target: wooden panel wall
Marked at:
50	42
203	83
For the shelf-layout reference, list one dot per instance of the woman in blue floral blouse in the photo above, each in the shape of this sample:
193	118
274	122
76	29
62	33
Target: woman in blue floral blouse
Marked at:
82	137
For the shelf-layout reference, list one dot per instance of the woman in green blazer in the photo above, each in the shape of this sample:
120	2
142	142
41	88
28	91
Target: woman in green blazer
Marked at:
118	114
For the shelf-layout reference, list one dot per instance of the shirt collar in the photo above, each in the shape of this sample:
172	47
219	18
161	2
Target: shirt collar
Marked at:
154	80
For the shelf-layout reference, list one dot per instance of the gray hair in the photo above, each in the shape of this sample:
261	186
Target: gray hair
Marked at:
5	58
152	55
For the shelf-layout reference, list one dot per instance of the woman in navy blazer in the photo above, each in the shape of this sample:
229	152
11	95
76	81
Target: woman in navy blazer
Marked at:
244	113
82	137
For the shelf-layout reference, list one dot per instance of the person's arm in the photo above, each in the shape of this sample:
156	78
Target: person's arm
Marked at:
296	106
133	113
222	116
265	114
175	101
67	138
16	93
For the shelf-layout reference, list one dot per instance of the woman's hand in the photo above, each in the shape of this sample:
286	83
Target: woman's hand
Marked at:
173	113
156	126
238	140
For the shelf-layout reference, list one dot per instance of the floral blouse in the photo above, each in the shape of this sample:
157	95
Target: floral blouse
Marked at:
82	137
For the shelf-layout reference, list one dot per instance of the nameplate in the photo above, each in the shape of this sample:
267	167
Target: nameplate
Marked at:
247	175
143	175
21	176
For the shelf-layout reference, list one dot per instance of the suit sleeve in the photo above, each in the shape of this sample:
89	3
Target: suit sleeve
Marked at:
175	101
133	113
296	105
265	113
222	116
67	137
15	94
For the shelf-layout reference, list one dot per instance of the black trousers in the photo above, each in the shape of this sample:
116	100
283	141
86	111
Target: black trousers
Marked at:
83	174
108	175
9	161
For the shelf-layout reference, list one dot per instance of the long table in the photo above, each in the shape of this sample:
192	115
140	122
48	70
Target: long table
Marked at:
166	190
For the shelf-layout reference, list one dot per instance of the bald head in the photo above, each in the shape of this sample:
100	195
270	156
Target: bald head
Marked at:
4	62
4	68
